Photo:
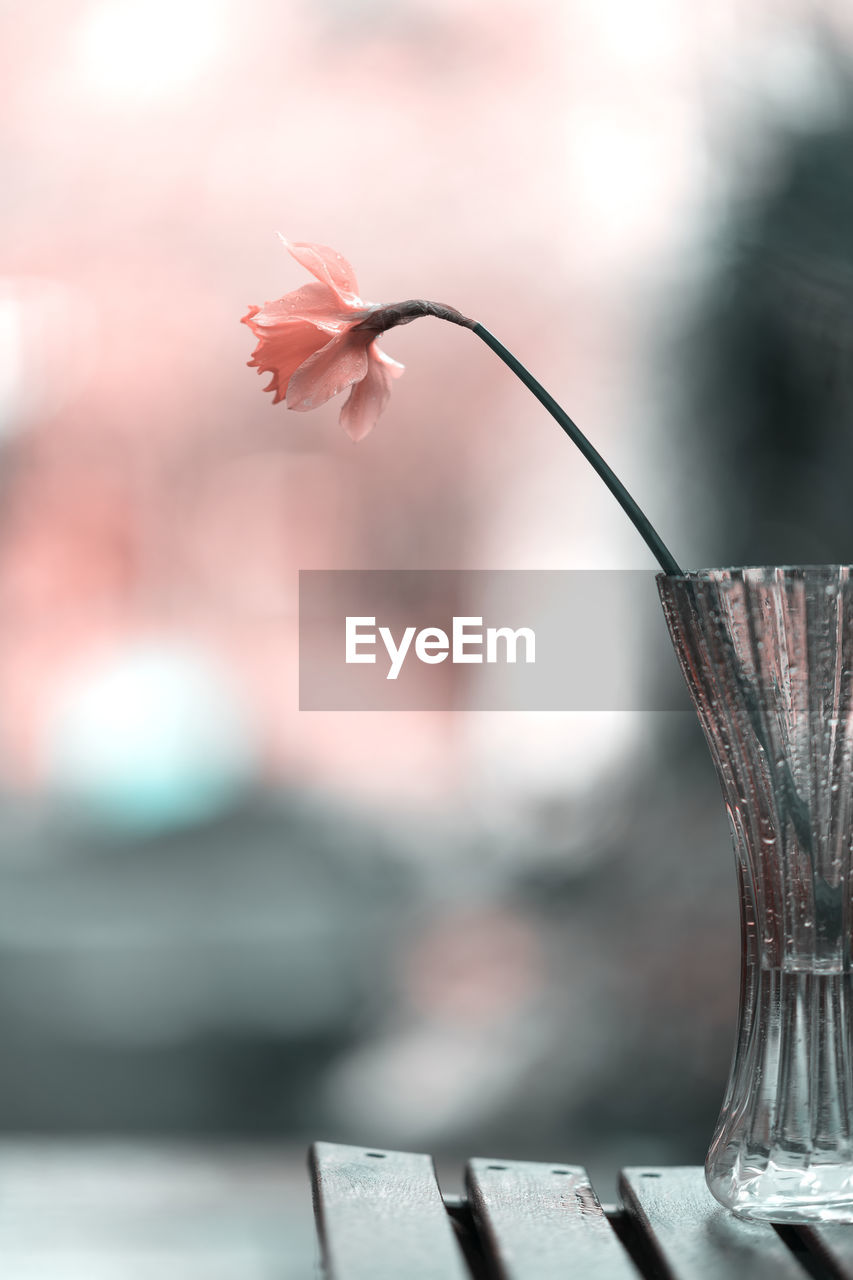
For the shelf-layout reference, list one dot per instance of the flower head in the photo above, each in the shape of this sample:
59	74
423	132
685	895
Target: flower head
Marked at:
321	339
311	343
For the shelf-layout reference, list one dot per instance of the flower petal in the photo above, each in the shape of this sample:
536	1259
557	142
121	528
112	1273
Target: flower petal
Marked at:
369	396
329	266
315	302
332	369
392	367
282	350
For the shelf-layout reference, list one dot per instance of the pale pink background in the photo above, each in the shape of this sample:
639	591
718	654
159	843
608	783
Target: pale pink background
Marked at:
552	169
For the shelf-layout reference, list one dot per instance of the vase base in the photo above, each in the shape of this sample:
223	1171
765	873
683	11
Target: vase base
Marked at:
796	1214
786	1194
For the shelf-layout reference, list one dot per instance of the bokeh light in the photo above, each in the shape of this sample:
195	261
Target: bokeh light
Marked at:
135	50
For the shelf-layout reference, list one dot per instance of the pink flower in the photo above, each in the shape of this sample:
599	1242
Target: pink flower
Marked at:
310	342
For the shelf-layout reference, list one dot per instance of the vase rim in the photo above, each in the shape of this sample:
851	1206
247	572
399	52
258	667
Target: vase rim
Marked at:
736	572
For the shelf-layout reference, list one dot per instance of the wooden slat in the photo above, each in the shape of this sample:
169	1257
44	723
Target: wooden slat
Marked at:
543	1222
695	1238
381	1216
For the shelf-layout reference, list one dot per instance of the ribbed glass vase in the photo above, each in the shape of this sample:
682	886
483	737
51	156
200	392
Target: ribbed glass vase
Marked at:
767	654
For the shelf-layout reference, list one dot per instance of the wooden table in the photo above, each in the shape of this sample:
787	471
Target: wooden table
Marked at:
202	1211
381	1216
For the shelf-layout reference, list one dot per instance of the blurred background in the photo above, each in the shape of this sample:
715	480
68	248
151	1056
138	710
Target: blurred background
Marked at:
502	934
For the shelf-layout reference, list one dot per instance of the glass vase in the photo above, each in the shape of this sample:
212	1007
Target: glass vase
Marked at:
767	655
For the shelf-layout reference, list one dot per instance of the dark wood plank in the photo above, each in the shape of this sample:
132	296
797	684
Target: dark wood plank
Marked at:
380	1216
692	1237
543	1222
